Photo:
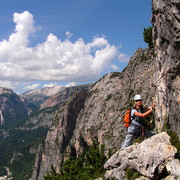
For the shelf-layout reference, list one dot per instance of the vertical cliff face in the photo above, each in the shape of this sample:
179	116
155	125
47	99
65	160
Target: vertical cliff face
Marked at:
102	118
166	35
59	136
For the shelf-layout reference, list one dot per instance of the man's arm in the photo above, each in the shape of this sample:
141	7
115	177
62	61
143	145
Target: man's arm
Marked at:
146	113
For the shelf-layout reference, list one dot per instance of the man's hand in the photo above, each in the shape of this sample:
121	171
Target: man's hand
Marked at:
153	106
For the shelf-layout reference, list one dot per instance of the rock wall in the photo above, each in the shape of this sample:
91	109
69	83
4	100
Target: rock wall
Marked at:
102	118
166	36
58	137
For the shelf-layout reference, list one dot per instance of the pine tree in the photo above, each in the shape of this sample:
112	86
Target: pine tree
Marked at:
148	36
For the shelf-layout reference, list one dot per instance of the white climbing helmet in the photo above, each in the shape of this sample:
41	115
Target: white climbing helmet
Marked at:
137	97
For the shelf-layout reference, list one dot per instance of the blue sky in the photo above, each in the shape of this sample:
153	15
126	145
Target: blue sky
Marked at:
45	42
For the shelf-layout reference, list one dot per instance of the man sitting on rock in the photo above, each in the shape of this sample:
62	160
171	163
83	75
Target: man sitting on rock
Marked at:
136	128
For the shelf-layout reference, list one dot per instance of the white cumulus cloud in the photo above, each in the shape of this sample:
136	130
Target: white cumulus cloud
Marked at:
33	86
71	84
123	57
50	85
52	60
114	67
8	84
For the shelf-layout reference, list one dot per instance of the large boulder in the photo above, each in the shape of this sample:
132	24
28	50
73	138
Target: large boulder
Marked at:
152	158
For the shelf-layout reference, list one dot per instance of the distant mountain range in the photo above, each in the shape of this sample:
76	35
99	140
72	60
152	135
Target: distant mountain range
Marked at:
15	108
38	96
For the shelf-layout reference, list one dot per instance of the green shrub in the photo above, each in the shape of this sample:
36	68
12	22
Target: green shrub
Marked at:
148	36
88	166
52	174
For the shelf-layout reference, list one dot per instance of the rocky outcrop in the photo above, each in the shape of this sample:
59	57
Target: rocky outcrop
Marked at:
166	30
151	158
41	118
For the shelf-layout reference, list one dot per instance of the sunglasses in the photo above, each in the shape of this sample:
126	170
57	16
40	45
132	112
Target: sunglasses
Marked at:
138	100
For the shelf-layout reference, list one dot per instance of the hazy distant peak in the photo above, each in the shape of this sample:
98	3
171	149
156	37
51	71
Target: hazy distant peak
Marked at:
47	91
5	90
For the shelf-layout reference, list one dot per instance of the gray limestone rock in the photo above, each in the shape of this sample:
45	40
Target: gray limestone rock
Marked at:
149	158
166	36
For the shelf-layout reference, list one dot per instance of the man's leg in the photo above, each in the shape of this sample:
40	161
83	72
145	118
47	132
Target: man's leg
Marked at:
129	139
148	133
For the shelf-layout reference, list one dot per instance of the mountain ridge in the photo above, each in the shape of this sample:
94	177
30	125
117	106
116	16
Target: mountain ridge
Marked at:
39	96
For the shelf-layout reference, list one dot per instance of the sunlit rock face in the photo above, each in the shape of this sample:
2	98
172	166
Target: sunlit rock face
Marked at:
166	36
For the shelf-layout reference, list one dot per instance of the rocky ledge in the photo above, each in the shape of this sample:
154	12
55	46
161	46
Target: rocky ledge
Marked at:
154	158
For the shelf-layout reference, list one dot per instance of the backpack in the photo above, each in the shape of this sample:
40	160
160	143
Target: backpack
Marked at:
127	118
